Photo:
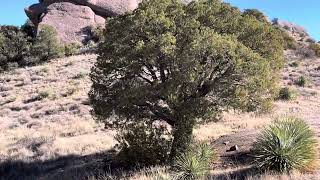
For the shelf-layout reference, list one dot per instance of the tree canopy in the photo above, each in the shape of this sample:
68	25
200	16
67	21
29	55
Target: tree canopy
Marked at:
183	64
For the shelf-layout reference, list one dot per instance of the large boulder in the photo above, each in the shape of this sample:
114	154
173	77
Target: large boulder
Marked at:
72	18
71	21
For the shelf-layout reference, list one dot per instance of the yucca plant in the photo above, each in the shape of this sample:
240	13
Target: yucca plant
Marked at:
287	144
195	163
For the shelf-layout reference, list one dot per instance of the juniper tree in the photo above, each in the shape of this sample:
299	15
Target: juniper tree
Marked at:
183	64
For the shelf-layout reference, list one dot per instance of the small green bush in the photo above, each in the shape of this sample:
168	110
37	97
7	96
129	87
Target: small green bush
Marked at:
19	47
71	49
287	94
302	81
195	163
97	33
294	64
289	41
287	144
14	47
316	48
257	14
141	145
306	52
47	45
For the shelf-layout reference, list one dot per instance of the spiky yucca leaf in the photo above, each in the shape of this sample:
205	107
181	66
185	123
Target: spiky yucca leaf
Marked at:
287	144
195	163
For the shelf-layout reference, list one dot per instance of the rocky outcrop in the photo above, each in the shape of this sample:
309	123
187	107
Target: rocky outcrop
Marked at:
296	31
72	18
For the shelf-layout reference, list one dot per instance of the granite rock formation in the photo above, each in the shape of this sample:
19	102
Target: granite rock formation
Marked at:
73	18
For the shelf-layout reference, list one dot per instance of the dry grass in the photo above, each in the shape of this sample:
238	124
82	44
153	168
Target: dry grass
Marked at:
45	114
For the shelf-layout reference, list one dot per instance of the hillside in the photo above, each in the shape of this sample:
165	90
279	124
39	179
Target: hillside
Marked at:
170	91
46	121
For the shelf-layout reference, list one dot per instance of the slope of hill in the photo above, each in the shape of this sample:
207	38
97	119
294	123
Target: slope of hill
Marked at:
44	112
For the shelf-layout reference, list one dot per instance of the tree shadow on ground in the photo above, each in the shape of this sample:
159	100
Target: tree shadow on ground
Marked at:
238	174
235	165
66	167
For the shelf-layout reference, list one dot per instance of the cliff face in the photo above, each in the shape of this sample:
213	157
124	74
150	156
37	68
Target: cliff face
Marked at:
72	18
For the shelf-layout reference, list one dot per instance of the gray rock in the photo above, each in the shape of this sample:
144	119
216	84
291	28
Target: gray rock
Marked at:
71	21
294	28
72	18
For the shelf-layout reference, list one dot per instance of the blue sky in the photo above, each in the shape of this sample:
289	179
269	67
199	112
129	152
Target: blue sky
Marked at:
302	12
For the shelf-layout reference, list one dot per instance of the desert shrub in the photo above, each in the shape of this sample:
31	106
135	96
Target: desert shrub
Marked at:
310	40
287	94
140	145
287	144
71	49
195	163
97	33
302	81
305	52
316	48
182	65
14	47
47	45
294	64
289	41
18	48
29	29
256	13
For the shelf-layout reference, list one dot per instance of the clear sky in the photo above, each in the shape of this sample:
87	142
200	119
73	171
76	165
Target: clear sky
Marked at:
302	12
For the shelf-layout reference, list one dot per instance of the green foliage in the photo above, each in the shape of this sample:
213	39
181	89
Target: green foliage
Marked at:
183	64
287	144
316	48
294	64
14	47
139	144
47	45
256	13
29	29
97	33
287	94
302	81
19	48
289	41
71	49
195	163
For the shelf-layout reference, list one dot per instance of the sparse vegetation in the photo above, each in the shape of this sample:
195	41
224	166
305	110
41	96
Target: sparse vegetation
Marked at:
302	81
80	75
289	41
316	48
287	94
294	64
71	49
287	144
195	163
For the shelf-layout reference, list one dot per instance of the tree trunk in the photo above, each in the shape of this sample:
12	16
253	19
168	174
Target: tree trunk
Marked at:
182	137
